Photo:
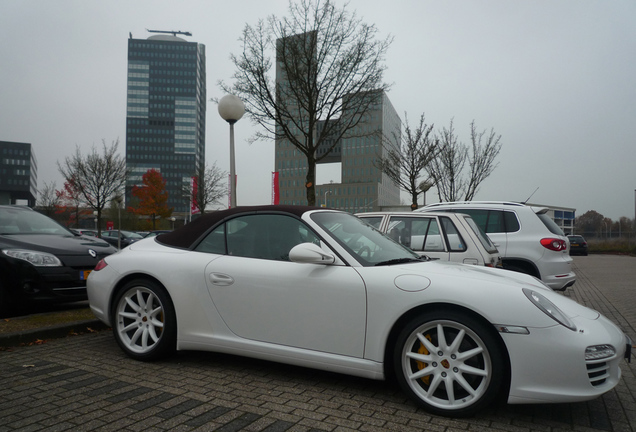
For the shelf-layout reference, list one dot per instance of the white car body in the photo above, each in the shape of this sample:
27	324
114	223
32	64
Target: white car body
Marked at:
520	247
324	308
443	236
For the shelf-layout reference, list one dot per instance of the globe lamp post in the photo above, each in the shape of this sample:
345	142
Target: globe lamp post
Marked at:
231	109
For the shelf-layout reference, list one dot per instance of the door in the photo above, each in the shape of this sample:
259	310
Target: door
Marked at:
263	296
422	234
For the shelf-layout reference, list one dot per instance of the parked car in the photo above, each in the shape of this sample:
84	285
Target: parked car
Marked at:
321	288
578	245
528	240
127	237
443	236
156	233
86	232
40	260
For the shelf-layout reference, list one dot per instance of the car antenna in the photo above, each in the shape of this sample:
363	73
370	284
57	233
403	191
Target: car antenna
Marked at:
528	199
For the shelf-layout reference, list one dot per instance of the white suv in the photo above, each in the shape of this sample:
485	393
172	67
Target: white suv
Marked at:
527	238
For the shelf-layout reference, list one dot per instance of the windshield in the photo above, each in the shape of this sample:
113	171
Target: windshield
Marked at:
368	245
481	235
20	221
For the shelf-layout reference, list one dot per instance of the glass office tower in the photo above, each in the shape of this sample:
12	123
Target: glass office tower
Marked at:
18	173
165	121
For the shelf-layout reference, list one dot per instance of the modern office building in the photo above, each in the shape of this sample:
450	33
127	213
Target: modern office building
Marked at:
18	173
363	187
165	121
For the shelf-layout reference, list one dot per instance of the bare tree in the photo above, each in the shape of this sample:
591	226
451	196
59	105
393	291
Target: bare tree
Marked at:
447	170
408	157
485	148
329	67
211	187
48	198
97	177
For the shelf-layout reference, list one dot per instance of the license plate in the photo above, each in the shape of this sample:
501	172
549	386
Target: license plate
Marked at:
574	244
84	274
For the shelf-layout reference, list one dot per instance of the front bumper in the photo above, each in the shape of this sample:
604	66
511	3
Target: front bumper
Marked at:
549	364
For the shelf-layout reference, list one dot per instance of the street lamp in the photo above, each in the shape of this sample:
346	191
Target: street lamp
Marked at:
326	192
231	109
119	199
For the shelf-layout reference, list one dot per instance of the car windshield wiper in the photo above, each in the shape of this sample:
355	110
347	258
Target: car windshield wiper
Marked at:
401	261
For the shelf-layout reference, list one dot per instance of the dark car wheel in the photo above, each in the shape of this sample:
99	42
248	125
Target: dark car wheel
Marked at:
145	324
449	363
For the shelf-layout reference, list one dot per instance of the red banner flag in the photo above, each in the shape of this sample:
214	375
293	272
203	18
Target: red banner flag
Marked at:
275	189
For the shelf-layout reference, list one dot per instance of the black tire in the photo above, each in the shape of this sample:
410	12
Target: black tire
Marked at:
144	320
455	376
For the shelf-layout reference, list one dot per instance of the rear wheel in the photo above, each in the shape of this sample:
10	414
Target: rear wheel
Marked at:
449	363
145	324
520	268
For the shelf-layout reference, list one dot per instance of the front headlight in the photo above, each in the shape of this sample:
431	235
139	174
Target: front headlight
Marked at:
38	259
549	308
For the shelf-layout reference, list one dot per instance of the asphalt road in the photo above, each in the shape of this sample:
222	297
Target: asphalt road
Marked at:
85	382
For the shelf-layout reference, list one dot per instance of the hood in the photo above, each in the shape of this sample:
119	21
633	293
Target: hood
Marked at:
505	279
56	244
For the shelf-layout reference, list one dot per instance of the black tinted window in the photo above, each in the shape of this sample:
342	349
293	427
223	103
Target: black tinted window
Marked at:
258	236
512	223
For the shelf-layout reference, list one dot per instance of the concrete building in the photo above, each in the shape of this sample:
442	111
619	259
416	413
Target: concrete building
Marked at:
18	173
362	186
166	105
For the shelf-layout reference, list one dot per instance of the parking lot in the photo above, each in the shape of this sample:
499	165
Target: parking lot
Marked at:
85	382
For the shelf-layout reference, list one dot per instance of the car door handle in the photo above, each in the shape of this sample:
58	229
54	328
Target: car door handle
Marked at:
221	279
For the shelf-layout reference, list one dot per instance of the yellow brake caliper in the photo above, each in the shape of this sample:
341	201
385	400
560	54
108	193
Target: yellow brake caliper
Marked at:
421	365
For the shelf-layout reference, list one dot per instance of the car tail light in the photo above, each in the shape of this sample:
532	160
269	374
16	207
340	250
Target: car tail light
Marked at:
100	265
554	244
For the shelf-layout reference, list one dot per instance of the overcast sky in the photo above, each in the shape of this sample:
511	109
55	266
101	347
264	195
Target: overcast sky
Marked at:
555	78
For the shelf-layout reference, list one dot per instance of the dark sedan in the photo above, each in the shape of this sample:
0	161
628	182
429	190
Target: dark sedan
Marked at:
127	237
40	260
578	245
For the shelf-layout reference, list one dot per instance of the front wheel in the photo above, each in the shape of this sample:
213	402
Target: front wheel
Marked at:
145	324
449	363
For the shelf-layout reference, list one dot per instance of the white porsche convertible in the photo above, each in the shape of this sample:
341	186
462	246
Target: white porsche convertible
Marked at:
321	288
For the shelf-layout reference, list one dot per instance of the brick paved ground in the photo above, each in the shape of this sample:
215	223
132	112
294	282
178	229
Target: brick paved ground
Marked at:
85	382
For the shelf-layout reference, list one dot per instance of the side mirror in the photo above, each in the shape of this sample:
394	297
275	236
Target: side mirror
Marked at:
309	253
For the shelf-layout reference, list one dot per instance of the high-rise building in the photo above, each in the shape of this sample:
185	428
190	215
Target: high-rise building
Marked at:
363	187
165	120
18	173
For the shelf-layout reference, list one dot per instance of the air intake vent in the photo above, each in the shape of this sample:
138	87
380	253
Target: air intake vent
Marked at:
598	373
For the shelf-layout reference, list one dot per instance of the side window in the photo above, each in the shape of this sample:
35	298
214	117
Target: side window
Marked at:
214	242
258	236
511	221
495	222
421	234
455	241
433	240
374	221
491	221
479	216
